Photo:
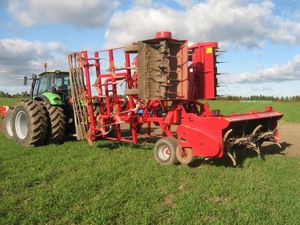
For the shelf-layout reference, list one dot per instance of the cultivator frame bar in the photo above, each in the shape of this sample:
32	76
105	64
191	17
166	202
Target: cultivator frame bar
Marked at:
198	130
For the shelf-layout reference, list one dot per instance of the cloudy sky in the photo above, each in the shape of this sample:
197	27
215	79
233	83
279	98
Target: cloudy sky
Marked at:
261	38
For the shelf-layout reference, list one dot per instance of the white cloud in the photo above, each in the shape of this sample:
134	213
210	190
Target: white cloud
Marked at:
19	57
238	22
138	23
297	14
77	12
287	72
144	3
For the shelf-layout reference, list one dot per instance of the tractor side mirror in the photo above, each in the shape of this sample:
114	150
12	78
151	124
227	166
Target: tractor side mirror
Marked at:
34	77
25	81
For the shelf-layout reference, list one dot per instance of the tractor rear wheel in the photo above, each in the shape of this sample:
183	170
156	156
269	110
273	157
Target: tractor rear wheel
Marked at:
7	125
29	123
165	151
56	123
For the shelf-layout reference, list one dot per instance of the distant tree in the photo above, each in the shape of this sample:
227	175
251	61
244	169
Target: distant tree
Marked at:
260	98
4	94
23	94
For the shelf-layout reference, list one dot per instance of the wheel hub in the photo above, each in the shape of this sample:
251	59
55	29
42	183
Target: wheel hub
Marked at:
164	152
21	125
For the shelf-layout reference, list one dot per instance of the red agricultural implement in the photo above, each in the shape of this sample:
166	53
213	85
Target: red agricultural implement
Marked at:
3	110
158	86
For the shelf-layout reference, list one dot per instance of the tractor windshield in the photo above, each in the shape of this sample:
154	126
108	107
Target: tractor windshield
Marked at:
62	81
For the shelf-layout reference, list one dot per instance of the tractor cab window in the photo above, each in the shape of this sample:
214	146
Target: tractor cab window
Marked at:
62	82
44	84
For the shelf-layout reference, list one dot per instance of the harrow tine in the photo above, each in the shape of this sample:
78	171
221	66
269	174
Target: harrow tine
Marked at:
226	135
257	128
258	151
255	148
232	157
278	144
231	153
266	135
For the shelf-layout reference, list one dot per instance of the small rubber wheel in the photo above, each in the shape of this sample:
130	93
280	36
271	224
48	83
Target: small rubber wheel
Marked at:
165	151
184	155
7	125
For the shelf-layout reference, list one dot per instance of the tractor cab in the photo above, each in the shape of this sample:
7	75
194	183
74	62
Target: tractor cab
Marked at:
52	87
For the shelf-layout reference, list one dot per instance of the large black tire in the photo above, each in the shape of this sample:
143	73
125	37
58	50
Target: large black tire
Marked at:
29	123
165	151
56	123
7	124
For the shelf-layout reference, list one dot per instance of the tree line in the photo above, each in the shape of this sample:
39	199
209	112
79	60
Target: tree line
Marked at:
261	98
23	94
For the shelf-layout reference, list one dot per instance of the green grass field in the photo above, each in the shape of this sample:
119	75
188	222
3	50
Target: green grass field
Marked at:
112	183
8	101
291	110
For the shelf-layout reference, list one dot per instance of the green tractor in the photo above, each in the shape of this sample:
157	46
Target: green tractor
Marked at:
46	115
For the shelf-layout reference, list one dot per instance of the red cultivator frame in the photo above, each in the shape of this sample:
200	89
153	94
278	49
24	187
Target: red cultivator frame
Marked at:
158	84
3	110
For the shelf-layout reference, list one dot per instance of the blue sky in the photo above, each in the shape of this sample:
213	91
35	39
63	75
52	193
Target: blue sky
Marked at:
261	38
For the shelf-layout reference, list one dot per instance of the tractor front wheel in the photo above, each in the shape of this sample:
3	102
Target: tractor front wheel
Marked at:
29	123
165	151
7	125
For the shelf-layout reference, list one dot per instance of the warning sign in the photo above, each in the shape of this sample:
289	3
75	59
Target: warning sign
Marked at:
209	50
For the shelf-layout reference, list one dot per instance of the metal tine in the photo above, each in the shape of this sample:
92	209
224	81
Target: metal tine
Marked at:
222	73
217	50
232	157
278	144
255	148
256	129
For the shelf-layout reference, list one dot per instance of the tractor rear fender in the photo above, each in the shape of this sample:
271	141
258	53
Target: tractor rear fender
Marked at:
51	98
202	134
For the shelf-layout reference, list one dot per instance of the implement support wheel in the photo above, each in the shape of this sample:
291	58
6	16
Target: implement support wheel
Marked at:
7	125
184	155
29	123
165	151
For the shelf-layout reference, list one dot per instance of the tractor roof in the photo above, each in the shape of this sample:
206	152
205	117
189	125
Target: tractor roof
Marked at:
53	71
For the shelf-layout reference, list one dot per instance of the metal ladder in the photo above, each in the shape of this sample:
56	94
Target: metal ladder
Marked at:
79	93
